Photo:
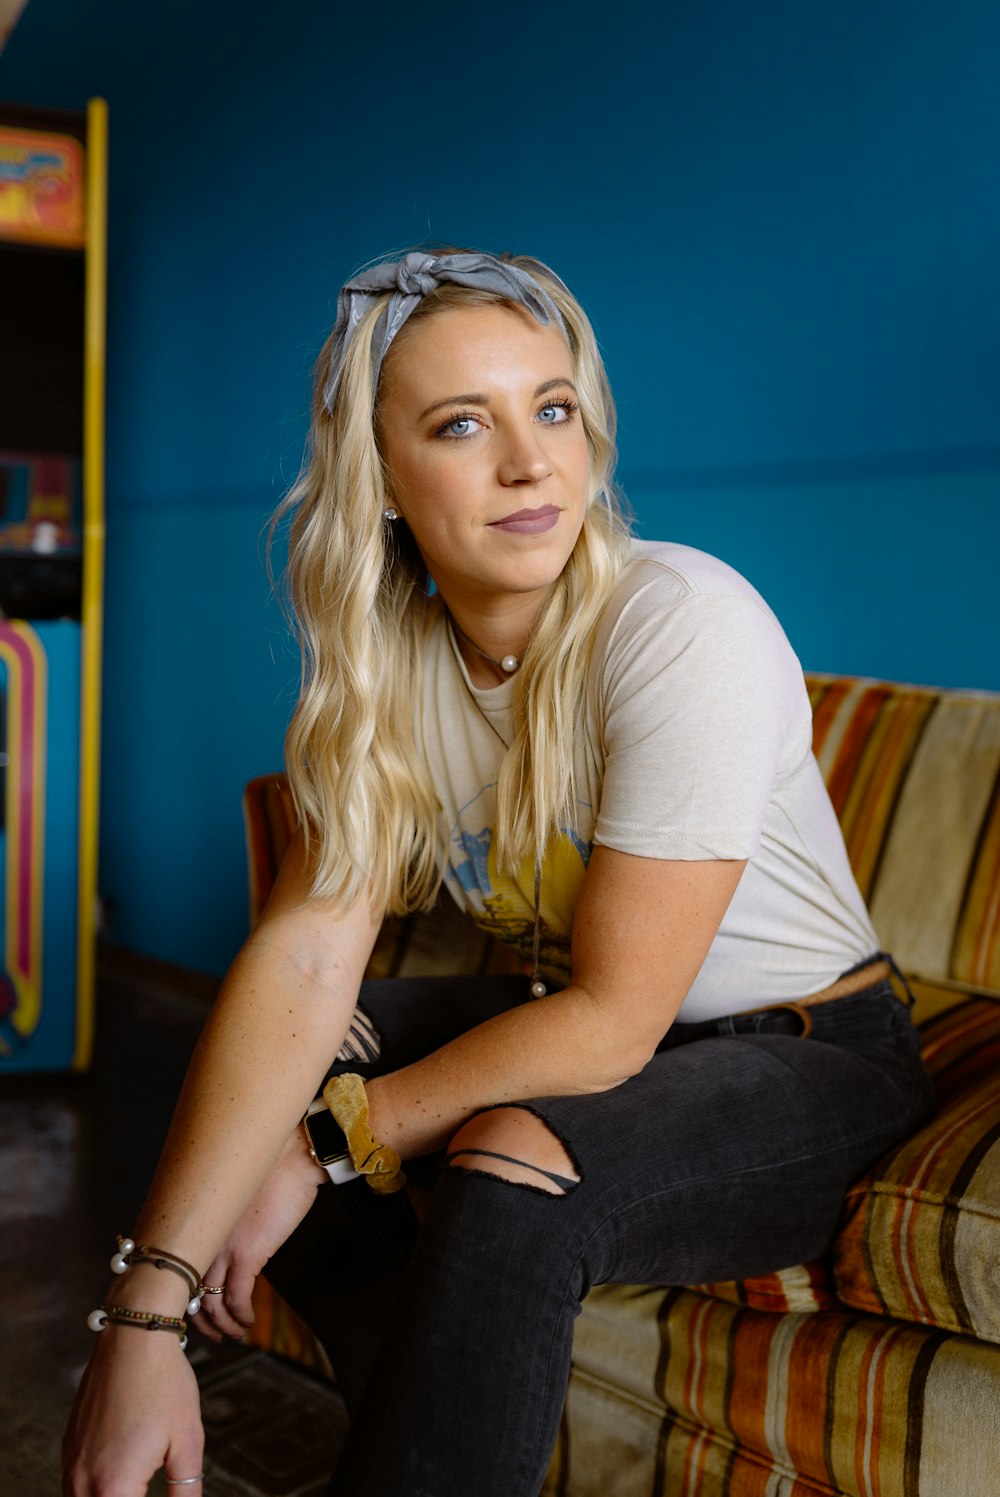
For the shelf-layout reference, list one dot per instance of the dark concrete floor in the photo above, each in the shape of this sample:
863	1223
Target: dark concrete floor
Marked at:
76	1153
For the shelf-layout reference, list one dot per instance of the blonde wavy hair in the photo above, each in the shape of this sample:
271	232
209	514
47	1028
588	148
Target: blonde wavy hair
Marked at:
363	606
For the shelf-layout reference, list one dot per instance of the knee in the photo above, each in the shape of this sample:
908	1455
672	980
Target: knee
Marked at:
514	1144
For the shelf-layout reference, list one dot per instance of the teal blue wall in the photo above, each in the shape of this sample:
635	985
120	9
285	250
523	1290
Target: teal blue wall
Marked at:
783	218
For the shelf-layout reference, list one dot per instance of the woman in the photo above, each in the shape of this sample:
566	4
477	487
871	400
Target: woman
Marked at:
605	749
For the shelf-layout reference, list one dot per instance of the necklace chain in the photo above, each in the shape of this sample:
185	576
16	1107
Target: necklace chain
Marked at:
538	988
508	664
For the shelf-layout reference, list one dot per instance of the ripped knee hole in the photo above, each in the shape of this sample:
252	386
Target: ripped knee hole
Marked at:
516	1145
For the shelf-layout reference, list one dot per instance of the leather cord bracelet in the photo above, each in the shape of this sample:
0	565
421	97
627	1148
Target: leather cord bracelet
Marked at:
140	1320
131	1255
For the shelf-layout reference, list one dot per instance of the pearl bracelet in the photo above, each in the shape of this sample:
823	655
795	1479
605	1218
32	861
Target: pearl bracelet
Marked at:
130	1256
140	1320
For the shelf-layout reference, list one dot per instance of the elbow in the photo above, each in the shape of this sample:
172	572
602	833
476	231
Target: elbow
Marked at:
630	1065
606	1077
616	1058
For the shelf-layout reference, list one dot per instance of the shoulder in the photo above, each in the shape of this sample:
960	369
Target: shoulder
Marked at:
661	575
691	665
677	591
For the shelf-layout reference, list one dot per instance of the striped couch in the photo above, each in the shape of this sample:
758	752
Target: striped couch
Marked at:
875	1373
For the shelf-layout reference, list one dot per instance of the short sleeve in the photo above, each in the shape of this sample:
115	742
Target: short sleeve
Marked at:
704	707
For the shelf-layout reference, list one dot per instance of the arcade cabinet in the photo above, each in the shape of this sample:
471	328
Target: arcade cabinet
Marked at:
53	175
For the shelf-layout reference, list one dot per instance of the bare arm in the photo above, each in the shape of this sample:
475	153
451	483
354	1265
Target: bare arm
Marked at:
641	931
282	1012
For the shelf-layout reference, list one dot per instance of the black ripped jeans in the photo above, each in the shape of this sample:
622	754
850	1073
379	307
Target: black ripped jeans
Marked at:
728	1155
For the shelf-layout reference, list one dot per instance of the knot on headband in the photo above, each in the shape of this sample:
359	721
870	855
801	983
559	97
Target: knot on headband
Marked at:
410	280
415	276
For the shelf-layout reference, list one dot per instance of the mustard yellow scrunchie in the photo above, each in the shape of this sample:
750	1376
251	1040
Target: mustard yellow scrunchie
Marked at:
379	1163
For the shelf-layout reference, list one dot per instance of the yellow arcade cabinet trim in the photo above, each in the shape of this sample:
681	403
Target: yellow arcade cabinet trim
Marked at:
92	610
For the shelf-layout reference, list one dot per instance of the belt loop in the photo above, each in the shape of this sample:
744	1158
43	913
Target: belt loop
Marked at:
910	998
798	1009
805	1018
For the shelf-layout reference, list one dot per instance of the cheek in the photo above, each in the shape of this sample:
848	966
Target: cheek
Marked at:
434	482
411	477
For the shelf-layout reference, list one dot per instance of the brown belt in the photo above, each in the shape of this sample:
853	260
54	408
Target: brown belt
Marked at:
877	970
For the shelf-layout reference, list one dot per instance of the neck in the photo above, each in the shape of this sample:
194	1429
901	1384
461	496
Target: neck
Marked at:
505	666
485	639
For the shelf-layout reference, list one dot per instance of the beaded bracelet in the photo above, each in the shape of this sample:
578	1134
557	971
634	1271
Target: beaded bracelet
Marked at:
140	1320
130	1256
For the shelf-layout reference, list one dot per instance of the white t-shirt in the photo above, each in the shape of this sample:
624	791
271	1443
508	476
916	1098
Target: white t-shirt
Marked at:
696	743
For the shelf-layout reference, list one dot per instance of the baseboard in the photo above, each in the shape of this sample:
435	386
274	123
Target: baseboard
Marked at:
165	979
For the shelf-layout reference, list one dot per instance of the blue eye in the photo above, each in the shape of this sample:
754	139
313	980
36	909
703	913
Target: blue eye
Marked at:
461	425
557	413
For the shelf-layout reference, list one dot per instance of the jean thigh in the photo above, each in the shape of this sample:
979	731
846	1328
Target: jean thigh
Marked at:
730	1156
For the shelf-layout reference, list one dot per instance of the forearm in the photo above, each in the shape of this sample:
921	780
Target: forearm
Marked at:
259	1061
642	930
562	1045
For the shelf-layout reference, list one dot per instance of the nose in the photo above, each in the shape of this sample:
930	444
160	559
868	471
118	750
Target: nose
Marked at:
523	458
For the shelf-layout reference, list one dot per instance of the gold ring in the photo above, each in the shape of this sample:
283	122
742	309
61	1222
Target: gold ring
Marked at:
211	1288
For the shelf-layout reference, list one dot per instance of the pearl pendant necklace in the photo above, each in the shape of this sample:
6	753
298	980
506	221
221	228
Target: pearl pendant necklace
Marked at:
537	986
507	663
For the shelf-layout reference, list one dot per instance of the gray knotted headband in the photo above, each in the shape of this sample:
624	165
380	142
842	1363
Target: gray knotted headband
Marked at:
411	279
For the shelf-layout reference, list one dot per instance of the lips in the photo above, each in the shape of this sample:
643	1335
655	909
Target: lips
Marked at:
528	521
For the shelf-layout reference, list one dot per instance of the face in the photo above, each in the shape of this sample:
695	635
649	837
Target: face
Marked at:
486	452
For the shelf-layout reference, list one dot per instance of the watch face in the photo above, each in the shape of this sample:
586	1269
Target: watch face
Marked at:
326	1136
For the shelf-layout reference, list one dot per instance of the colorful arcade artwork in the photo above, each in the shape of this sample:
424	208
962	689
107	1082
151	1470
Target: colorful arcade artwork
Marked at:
23	761
53	269
41	187
41	535
41	522
39	711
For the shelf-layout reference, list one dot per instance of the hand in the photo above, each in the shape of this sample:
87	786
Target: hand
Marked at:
274	1213
136	1410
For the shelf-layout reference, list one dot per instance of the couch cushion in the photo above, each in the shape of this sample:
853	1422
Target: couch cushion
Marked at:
673	1393
804	1288
921	1238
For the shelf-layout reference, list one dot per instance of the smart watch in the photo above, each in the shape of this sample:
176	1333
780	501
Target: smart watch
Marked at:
327	1143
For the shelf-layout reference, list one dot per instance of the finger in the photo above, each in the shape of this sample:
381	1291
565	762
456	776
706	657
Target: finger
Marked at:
205	1326
216	1319
239	1296
183	1465
215	1322
212	1312
190	1485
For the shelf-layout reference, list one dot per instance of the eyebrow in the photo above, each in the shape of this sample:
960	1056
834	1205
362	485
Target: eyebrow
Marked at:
477	398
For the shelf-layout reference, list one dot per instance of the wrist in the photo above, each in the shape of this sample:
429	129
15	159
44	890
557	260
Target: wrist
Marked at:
378	1111
297	1157
159	1293
124	1347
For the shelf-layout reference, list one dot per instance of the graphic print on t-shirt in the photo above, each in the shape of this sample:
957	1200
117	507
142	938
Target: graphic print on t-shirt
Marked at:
504	904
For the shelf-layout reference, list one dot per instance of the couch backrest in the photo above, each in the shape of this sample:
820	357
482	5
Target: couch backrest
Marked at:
914	775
